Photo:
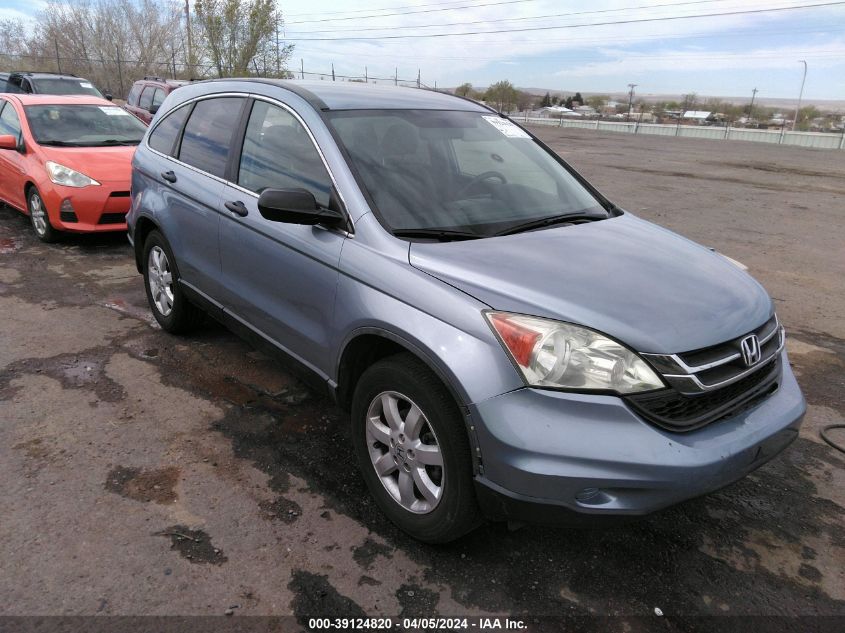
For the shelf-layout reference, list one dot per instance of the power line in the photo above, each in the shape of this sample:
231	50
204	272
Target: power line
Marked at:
687	36
394	8
566	26
522	19
387	15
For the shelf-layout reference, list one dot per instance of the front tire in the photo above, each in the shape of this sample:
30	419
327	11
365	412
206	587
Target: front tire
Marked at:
413	450
168	303
39	218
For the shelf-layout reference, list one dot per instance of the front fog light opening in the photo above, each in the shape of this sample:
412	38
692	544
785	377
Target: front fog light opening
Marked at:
67	212
593	497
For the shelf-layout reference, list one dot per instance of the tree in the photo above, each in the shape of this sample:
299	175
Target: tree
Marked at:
597	101
578	98
88	38
239	36
568	103
805	117
547	101
502	95
464	90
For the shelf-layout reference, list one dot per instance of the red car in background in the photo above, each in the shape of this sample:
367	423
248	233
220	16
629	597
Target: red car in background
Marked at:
148	94
65	161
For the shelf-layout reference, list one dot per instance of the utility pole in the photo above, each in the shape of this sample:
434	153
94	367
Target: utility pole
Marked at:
301	68
395	76
278	51
800	94
630	100
333	71
751	107
366	78
119	71
58	61
190	39
418	77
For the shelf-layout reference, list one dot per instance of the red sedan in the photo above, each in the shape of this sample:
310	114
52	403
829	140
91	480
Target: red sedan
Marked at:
66	161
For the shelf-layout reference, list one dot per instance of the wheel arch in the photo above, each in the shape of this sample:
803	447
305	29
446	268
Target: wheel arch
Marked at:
144	225
28	186
368	345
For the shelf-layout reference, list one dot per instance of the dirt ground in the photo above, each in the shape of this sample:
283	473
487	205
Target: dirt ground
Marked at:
145	474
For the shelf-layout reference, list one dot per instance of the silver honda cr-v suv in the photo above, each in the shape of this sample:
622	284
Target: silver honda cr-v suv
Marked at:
509	343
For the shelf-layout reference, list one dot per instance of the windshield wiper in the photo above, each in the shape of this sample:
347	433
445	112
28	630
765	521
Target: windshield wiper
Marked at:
58	143
444	235
548	221
115	141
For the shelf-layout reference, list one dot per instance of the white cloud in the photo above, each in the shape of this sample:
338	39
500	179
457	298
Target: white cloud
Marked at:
618	61
455	58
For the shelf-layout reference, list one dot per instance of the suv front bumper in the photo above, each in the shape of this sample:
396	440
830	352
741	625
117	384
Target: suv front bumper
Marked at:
550	456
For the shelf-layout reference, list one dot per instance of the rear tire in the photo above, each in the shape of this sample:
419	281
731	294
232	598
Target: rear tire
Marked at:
413	450
39	218
168	303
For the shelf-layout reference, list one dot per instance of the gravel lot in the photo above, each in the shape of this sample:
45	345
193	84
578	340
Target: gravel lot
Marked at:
147	474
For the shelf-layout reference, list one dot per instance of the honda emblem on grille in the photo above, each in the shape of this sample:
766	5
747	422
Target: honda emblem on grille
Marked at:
750	347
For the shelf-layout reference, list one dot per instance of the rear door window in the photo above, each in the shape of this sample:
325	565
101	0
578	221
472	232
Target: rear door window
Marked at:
163	137
158	97
208	134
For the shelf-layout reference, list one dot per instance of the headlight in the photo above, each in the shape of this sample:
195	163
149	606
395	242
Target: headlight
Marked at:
554	354
68	177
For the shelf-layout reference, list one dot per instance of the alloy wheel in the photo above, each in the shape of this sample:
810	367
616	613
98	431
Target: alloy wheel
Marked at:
404	452
160	279
38	215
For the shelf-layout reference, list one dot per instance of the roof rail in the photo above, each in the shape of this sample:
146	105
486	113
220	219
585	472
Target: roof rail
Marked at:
153	78
40	72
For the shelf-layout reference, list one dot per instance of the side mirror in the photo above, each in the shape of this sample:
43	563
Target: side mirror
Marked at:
109	96
295	206
7	141
153	109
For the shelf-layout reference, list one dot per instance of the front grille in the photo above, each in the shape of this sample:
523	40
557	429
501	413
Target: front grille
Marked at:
676	411
112	218
708	384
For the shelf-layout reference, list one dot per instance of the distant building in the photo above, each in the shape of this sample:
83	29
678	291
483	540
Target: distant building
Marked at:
561	111
697	115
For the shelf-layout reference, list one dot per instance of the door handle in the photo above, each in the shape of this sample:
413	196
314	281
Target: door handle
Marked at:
169	176
237	207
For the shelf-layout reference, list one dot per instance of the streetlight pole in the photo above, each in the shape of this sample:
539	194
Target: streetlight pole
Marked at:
800	94
751	107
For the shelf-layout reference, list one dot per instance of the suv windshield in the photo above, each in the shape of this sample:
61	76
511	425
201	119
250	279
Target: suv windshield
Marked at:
471	173
83	125
50	86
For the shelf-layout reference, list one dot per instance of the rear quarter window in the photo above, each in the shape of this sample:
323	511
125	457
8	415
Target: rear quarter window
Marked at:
132	99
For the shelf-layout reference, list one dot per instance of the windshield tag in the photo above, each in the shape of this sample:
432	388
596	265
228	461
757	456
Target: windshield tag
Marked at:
506	127
114	111
85	84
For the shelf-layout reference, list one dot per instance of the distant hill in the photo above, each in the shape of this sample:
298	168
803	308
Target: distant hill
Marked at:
834	105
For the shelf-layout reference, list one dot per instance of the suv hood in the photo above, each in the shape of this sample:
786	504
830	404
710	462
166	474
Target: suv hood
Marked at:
652	289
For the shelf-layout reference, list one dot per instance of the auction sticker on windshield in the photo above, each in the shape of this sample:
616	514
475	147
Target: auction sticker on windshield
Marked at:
506	127
114	111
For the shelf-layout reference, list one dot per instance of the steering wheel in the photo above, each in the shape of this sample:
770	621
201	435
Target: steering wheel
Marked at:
487	175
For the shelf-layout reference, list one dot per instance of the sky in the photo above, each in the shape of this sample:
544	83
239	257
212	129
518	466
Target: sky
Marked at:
599	46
